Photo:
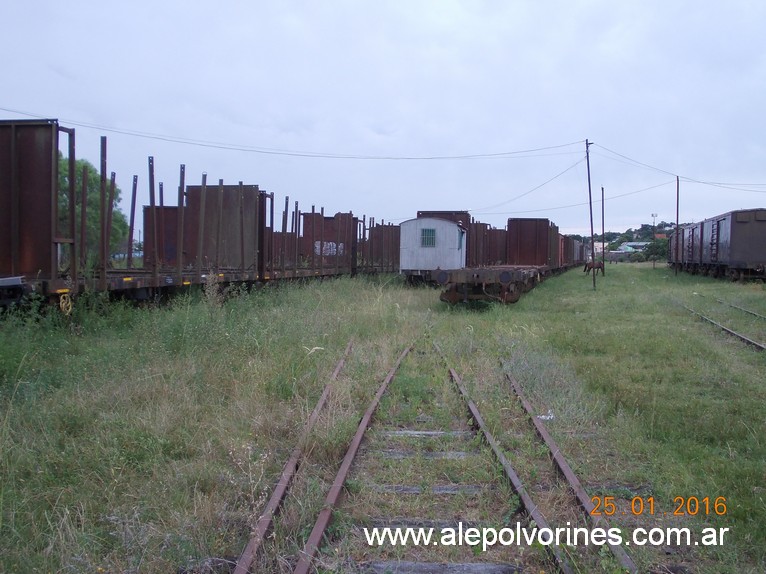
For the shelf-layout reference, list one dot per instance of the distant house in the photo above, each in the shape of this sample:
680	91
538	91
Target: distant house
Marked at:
624	251
633	246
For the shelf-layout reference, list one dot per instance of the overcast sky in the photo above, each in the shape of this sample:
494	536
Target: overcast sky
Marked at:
431	105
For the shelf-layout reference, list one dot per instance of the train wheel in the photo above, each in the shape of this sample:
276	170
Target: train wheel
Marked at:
512	296
65	304
450	296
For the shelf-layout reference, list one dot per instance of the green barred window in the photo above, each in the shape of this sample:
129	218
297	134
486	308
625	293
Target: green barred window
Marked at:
428	238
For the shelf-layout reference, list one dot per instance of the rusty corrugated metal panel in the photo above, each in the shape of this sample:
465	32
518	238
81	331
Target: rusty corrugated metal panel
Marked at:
28	181
166	238
498	247
477	245
329	243
529	242
382	247
224	226
553	245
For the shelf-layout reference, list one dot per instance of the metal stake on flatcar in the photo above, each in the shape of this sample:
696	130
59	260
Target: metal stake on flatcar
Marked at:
161	259
242	227
83	221
180	223
132	226
218	226
102	227
155	243
109	210
201	229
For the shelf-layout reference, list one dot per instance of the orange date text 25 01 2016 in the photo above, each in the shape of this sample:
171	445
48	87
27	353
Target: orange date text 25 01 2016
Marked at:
682	506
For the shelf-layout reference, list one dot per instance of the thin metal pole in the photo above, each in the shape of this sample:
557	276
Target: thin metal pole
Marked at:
109	210
218	227
102	232
256	227
201	229
297	232
590	203
162	225
283	249
273	248
242	265
155	242
337	220
313	240
83	220
603	237
132	227
321	242
678	226
180	223
72	216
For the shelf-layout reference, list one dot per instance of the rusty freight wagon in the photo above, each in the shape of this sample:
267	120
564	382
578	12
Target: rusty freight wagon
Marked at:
532	251
226	231
37	251
729	245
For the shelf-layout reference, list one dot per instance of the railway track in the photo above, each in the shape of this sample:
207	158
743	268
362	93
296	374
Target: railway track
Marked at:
424	459
740	336
748	311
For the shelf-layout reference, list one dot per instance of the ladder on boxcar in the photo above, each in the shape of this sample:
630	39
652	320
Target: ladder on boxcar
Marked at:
714	242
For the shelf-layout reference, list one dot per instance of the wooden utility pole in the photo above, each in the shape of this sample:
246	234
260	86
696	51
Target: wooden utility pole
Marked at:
678	228
603	234
590	203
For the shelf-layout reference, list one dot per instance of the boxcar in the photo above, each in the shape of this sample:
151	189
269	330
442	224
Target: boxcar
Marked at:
732	244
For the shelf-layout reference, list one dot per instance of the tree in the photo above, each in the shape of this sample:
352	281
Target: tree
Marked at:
119	231
657	249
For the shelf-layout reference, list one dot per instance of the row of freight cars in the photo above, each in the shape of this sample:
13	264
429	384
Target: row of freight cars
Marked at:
472	261
730	245
230	233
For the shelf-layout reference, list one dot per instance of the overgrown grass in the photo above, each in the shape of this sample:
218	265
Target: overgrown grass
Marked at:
144	439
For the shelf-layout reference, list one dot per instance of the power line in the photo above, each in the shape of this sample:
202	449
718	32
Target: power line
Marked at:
482	210
724	185
301	153
582	203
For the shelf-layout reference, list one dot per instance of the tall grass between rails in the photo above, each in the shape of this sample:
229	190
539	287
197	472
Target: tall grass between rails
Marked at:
686	403
144	440
644	398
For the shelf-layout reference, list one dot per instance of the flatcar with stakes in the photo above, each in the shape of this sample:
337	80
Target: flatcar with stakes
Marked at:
228	232
472	261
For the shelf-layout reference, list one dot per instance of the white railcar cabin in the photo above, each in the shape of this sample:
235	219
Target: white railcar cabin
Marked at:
429	243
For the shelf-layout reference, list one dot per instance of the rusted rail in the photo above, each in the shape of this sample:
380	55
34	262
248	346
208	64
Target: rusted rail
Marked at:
756	344
574	483
753	313
518	486
264	521
315	538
